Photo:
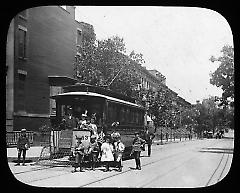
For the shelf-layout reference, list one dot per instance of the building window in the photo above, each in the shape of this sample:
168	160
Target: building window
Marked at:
22	41
21	91
79	36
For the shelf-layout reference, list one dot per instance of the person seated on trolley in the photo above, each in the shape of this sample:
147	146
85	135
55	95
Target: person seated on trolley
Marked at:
115	135
69	121
93	127
79	152
82	124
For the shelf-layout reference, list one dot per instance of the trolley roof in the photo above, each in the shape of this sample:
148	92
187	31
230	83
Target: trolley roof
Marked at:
92	94
83	87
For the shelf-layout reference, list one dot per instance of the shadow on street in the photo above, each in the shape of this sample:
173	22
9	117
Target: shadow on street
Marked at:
217	150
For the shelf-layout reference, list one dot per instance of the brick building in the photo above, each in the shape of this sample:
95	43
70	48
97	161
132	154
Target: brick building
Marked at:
41	49
41	46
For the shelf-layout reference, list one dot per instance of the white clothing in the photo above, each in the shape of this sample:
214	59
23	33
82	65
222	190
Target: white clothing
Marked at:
107	150
93	128
119	146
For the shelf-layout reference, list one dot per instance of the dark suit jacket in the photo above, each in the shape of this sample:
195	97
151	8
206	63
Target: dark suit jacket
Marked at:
149	137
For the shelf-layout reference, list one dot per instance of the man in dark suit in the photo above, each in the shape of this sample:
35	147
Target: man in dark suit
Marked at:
149	138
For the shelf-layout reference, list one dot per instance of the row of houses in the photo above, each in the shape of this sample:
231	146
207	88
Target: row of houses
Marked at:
40	53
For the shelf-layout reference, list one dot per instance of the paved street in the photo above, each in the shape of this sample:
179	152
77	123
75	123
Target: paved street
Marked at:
195	163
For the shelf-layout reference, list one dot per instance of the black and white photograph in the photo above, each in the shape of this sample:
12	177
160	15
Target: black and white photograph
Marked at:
119	97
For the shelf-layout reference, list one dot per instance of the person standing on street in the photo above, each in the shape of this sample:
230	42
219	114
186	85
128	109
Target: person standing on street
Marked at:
149	138
136	149
107	153
23	145
93	151
79	151
118	150
100	141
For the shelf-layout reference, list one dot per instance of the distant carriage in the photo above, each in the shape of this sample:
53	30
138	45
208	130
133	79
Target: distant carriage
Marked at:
106	106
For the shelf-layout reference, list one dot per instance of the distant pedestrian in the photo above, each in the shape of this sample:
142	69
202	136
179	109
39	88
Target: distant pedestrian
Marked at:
93	151
23	145
167	136
107	153
149	138
136	150
119	148
79	152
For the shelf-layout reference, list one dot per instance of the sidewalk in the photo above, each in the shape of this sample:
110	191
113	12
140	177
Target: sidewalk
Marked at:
177	140
32	154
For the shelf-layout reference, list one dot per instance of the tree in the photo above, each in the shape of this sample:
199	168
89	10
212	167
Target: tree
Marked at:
103	63
223	77
210	116
137	57
161	106
189	116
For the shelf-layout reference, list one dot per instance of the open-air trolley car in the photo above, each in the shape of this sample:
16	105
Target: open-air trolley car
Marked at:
107	106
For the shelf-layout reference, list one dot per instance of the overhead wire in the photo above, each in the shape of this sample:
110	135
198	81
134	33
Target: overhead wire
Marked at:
149	49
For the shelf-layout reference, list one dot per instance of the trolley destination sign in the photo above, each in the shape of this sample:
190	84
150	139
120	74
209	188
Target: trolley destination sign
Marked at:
65	140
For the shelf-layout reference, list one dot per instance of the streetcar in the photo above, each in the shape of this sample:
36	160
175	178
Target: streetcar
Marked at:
107	106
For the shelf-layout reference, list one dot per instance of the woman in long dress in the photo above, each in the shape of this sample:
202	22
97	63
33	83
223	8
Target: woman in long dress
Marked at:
107	153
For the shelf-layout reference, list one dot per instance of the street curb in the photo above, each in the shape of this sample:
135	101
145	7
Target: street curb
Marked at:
28	159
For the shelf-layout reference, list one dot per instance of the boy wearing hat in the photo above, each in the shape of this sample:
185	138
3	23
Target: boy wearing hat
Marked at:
136	149
79	154
23	145
93	151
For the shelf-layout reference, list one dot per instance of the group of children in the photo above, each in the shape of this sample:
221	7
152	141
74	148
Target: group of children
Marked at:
107	151
99	150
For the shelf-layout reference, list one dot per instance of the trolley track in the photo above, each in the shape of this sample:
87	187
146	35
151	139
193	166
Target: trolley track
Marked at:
223	168
126	171
150	163
214	174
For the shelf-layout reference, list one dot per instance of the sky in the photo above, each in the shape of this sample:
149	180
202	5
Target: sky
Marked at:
176	41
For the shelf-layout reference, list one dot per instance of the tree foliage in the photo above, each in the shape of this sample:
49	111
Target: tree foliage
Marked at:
223	77
137	57
103	63
208	116
159	106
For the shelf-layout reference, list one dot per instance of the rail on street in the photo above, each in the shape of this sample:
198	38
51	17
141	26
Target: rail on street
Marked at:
187	163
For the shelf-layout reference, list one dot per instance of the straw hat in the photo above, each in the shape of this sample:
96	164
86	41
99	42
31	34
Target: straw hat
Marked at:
23	130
